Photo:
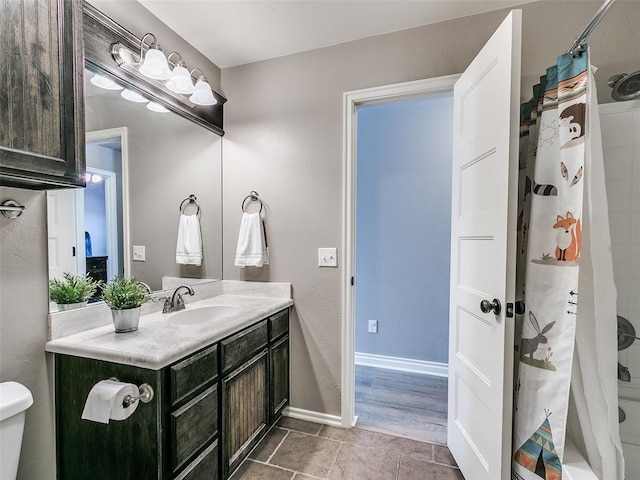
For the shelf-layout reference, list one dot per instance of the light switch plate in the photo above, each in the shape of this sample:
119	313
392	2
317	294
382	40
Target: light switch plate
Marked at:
373	326
138	253
327	257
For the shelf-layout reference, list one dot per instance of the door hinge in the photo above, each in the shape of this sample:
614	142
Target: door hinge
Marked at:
352	281
73	251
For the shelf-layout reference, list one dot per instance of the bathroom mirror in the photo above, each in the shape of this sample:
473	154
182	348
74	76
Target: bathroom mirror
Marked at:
141	167
143	162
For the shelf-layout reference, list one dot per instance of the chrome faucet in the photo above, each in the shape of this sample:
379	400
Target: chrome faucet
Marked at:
176	302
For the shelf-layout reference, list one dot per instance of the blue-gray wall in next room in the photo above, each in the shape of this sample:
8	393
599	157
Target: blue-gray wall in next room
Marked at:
403	227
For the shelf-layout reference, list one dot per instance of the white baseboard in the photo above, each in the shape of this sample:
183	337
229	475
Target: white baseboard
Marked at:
403	364
311	416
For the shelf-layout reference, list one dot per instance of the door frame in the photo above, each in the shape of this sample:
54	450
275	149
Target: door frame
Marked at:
111	218
350	101
121	134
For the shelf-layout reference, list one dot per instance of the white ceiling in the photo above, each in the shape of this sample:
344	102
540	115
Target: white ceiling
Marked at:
235	32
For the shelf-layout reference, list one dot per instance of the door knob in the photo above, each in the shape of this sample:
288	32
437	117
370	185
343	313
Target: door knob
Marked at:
490	306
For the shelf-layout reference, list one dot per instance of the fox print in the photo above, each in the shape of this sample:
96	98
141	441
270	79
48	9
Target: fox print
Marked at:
568	237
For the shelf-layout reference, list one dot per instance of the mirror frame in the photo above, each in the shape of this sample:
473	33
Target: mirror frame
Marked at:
101	32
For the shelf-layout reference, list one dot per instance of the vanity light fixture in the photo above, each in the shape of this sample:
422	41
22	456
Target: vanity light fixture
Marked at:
180	81
156	107
104	82
202	94
153	65
133	96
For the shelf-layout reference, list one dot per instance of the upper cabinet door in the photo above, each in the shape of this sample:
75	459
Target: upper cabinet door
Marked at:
41	94
483	252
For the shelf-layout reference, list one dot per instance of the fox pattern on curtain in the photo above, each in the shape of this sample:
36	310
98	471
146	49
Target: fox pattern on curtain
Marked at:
552	167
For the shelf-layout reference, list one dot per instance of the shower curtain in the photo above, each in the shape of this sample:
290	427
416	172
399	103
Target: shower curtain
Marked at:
568	341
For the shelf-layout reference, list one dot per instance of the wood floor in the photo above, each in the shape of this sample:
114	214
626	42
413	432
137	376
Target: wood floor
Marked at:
399	403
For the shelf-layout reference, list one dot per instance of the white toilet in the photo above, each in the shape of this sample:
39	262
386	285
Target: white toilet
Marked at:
14	400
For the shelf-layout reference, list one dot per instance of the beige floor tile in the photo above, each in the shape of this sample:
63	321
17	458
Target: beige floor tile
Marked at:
412	469
268	445
299	425
361	463
306	454
403	446
251	470
442	454
302	476
356	436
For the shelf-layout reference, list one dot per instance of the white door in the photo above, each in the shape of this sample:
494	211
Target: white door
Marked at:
61	224
483	254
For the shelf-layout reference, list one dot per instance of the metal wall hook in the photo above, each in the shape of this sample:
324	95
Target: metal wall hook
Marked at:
11	209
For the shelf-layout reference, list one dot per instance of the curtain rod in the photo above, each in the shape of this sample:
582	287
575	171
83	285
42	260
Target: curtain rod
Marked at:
577	47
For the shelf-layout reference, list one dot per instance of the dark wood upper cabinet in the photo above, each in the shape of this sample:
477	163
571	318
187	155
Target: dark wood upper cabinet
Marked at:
41	94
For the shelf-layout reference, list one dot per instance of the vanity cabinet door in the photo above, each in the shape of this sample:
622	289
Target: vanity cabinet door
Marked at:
279	378
41	99
245	410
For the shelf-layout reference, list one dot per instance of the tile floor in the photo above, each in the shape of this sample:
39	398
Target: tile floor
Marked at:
299	450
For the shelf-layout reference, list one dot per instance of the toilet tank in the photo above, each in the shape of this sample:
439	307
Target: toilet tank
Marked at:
14	400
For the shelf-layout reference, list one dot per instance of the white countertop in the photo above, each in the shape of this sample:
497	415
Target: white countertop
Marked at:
157	343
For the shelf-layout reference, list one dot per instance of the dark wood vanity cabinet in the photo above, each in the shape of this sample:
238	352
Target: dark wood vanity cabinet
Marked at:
209	410
41	99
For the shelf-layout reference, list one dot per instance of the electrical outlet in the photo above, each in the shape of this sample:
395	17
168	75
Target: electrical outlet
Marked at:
373	326
327	257
139	253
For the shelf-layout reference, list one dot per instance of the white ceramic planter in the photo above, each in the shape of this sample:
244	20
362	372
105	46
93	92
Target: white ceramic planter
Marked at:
126	320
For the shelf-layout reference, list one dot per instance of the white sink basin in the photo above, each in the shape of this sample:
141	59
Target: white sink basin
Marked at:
200	315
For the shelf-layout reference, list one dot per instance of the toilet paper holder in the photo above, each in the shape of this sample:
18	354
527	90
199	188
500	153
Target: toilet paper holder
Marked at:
146	394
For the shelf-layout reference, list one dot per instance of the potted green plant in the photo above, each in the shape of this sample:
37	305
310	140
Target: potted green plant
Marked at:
72	291
125	297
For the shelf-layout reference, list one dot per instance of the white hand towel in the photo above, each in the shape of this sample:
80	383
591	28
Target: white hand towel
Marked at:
252	248
189	244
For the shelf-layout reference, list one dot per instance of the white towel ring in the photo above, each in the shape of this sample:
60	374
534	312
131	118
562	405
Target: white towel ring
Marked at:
254	197
191	199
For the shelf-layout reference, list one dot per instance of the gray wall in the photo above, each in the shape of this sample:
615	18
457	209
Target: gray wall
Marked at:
284	139
24	288
403	231
169	159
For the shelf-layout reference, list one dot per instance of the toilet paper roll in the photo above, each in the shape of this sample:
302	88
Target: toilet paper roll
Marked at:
105	399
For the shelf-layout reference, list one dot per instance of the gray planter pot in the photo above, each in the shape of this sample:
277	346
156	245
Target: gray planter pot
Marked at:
126	320
62	307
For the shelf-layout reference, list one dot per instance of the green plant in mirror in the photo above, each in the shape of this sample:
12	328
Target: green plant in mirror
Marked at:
123	293
72	288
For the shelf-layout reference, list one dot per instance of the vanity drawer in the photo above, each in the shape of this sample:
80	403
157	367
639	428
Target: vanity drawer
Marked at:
193	425
242	346
190	374
204	467
278	324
